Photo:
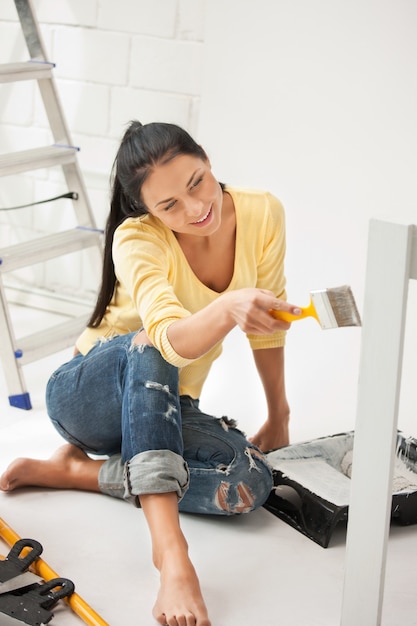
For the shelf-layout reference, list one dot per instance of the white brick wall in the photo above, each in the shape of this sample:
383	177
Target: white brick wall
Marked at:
166	65
156	17
73	12
115	61
91	55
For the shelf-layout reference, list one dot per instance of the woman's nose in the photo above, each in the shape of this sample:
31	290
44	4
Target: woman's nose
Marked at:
195	207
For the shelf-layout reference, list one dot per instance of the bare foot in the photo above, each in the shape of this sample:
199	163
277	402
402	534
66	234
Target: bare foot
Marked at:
271	437
68	468
179	601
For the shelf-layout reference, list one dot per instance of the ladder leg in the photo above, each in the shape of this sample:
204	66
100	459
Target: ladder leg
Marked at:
18	397
28	19
21	401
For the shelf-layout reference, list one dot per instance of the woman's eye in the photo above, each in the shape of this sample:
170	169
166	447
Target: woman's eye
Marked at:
169	206
196	182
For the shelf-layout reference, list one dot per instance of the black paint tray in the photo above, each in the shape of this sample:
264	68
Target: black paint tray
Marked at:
311	484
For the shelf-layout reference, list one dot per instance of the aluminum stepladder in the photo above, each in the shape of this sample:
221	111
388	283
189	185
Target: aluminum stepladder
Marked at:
14	354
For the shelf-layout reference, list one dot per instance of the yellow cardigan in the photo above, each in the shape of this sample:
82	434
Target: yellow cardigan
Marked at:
156	286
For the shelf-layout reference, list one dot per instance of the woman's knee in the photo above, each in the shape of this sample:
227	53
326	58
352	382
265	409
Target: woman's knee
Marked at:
246	484
150	364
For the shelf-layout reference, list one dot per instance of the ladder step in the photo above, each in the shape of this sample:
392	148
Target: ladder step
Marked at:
36	158
50	340
47	247
28	70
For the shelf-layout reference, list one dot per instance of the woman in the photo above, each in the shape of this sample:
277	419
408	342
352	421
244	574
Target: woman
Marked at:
186	260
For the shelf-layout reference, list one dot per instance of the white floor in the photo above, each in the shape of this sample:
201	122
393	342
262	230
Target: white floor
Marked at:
254	569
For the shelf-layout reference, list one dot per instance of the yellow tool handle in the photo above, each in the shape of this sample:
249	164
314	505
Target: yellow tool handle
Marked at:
77	604
308	311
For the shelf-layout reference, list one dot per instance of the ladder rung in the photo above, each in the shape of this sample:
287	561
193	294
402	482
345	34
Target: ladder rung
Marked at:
47	247
36	158
28	70
51	340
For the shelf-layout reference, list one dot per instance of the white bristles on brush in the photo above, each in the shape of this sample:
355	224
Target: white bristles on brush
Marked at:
332	308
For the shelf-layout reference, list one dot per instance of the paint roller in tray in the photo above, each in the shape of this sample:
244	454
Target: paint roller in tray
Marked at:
332	308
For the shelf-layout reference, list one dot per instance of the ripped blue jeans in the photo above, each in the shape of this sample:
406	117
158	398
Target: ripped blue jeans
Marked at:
121	400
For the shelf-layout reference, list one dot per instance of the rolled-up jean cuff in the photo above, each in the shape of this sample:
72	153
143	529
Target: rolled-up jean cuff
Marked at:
153	471
110	477
156	471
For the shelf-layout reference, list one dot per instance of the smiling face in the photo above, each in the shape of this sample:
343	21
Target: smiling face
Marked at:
185	196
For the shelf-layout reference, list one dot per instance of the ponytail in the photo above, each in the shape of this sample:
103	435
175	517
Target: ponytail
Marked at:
108	281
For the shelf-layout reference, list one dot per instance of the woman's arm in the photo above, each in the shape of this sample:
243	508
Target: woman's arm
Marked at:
274	432
193	336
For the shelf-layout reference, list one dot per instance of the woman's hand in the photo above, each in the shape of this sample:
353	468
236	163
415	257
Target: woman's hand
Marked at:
250	310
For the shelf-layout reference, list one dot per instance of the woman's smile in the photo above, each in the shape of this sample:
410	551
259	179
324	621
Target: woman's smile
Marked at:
205	219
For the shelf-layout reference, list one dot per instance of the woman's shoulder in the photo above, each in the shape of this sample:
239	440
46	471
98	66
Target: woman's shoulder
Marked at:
143	227
256	202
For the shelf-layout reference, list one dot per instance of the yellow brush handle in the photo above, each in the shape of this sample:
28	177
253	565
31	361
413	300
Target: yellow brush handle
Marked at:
308	311
78	605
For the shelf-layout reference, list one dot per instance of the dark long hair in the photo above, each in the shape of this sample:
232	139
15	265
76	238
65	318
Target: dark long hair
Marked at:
142	148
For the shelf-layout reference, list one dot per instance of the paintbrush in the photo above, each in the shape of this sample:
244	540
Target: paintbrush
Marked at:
332	308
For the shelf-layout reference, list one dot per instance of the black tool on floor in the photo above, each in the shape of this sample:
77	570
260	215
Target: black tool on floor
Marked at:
32	604
13	569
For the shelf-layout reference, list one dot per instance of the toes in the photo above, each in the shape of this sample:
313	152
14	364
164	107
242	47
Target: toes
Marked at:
4	483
